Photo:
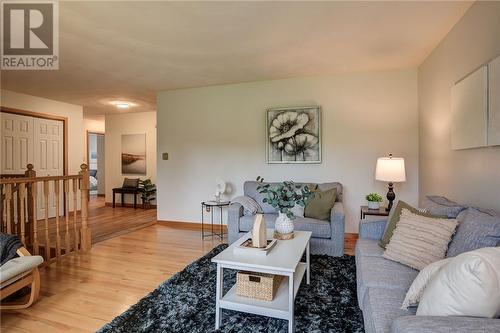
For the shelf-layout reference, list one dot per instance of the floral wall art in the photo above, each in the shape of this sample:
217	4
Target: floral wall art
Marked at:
294	135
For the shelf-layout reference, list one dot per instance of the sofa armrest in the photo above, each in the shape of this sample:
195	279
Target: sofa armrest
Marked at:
337	221
372	228
234	212
427	324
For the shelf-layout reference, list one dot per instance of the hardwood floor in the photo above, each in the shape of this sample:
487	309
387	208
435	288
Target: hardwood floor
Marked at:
86	291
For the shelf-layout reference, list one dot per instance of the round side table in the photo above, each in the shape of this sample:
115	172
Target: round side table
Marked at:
210	206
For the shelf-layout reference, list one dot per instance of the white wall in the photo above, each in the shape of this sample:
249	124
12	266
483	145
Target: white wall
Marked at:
219	132
101	165
74	113
469	176
128	123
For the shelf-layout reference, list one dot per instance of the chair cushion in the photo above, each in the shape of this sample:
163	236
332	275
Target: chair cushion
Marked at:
382	273
476	229
319	229
381	306
18	266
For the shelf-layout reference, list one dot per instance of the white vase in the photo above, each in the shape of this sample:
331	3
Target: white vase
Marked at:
283	224
373	205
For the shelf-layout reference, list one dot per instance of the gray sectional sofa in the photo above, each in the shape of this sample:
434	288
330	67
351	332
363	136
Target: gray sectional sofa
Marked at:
382	284
327	236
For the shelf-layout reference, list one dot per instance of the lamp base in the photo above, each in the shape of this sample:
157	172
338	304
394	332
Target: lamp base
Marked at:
390	196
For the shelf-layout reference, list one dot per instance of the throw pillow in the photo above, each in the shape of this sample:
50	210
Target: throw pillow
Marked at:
418	240
393	219
421	281
439	205
469	285
250	206
478	229
320	205
298	211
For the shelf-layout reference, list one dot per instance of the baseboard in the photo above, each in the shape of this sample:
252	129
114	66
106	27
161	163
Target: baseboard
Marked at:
191	225
348	237
118	205
101	195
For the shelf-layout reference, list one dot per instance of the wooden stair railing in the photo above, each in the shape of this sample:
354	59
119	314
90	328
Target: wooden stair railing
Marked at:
55	234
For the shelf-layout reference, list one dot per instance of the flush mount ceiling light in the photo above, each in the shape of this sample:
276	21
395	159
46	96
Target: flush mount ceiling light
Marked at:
122	104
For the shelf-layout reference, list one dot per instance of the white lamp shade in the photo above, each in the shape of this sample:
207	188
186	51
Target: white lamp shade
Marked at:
390	169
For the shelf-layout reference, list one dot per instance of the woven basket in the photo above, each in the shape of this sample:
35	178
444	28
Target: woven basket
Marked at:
257	285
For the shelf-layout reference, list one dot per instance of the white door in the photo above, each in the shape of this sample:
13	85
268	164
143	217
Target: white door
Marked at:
17	143
48	141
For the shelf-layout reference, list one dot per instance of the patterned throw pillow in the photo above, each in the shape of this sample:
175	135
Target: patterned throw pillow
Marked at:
439	205
419	241
477	229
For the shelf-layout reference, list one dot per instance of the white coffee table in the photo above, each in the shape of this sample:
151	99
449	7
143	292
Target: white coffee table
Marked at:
284	259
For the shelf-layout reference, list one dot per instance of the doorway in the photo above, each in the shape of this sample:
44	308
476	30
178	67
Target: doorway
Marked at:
96	163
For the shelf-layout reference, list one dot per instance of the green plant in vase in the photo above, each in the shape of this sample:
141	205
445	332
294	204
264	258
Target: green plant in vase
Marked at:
374	200
148	191
284	196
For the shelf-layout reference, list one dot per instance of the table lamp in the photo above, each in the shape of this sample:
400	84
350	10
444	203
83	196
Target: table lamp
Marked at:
390	169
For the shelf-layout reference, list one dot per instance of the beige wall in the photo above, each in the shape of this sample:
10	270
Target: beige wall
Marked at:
128	123
219	132
93	125
74	113
470	176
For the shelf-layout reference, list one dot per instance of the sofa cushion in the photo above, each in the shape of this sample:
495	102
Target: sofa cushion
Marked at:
476	229
381	306
319	229
382	273
368	248
438	205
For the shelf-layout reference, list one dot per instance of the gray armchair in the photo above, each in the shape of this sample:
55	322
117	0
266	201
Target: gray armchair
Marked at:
327	236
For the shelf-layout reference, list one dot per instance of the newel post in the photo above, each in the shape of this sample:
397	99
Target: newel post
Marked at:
86	241
31	187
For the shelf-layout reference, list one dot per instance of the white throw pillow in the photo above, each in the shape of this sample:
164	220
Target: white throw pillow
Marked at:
421	281
418	241
469	285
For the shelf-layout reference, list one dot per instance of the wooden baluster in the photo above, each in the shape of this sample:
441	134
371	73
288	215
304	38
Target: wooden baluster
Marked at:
22	219
84	188
46	206
1	209
34	187
66	215
75	208
30	173
58	235
8	199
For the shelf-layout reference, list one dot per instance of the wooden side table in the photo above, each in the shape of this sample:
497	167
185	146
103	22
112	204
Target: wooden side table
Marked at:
377	212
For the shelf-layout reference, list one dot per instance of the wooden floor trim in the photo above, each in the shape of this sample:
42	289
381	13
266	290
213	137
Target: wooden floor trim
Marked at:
196	226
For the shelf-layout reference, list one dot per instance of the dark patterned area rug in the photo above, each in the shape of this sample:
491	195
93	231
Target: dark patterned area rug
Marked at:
186	302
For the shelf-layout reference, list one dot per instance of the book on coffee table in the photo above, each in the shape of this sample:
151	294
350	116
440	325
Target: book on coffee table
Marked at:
246	247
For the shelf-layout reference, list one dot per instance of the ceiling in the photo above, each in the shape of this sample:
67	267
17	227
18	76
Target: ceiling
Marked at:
130	50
